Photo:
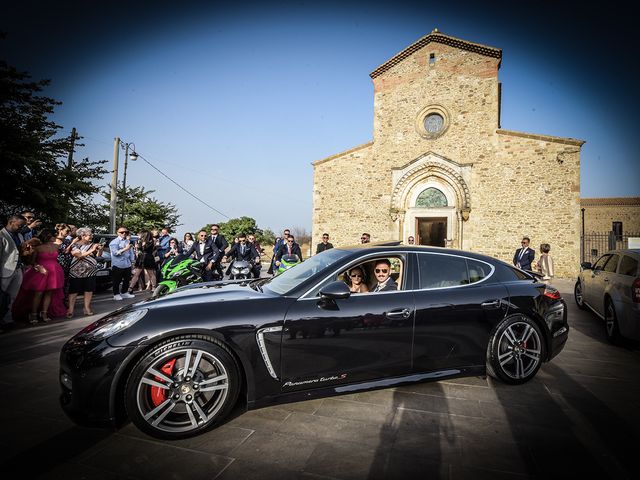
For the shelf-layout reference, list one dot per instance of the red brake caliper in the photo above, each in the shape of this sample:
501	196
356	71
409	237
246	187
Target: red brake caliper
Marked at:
159	395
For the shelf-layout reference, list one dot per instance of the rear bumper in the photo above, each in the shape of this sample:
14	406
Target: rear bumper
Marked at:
556	319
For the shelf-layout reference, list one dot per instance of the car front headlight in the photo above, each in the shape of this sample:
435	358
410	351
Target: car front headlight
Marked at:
108	326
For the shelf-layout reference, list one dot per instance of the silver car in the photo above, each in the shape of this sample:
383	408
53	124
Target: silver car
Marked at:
611	288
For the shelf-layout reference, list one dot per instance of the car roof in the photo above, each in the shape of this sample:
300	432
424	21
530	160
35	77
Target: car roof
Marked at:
396	246
632	251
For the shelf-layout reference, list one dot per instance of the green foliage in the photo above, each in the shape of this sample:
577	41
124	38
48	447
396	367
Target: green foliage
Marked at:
35	174
141	211
235	226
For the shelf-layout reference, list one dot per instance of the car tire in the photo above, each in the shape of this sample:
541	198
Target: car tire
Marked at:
578	295
611	326
516	350
160	291
166	400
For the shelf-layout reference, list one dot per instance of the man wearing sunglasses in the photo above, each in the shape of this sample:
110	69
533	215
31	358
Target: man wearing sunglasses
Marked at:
122	257
524	256
382	271
324	245
290	247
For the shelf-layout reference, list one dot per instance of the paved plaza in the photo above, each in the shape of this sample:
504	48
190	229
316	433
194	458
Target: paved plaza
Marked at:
580	417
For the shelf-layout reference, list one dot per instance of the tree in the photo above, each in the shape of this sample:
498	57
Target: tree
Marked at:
142	211
35	173
233	227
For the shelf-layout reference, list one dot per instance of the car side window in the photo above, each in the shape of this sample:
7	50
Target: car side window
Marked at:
628	266
599	265
612	264
438	271
477	270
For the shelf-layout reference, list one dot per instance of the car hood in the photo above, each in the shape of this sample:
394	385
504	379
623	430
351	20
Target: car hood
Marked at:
208	292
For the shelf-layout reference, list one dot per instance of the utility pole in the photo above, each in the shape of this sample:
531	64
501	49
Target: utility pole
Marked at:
114	186
73	144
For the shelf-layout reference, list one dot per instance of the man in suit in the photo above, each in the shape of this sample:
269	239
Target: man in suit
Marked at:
524	256
204	250
324	245
10	265
221	244
242	250
382	271
288	248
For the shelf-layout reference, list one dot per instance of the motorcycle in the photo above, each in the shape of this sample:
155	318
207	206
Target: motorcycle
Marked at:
287	262
177	272
240	270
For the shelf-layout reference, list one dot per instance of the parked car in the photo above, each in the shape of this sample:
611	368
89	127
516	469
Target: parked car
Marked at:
103	275
611	289
176	365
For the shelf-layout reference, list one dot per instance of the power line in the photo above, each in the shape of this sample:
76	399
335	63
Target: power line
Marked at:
181	187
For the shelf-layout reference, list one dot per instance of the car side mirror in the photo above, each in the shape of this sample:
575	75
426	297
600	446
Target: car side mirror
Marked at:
586	266
335	291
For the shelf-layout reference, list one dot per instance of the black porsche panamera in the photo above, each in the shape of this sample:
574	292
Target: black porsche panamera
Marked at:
178	364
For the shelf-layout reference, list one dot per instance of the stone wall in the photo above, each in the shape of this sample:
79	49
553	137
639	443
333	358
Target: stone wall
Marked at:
600	213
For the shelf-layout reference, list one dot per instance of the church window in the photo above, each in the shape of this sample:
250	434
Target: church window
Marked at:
431	198
432	58
433	123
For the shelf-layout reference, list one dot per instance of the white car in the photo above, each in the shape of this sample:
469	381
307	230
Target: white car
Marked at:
611	288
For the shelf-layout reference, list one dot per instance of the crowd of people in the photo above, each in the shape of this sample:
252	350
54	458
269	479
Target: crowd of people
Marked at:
45	270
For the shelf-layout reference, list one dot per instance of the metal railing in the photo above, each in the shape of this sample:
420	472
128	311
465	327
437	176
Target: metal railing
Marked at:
593	245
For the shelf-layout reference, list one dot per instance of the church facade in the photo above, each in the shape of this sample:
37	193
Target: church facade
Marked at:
441	168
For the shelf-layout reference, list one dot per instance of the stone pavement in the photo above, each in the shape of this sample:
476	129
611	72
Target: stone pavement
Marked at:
578	418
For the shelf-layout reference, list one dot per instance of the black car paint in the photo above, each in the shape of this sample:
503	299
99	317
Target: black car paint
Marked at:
342	351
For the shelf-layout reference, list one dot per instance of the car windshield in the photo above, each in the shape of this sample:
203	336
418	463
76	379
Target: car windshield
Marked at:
289	279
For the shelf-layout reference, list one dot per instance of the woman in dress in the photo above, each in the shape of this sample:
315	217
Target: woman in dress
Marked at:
145	261
83	269
187	241
43	279
356	281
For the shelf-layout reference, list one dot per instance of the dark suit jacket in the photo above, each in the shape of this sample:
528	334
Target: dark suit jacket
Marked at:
250	253
295	250
322	247
222	244
210	251
527	258
391	285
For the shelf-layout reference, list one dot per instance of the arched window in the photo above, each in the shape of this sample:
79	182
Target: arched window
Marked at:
431	198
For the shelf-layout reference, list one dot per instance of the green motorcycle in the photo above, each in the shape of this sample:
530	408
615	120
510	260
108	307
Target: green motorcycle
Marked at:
177	272
287	262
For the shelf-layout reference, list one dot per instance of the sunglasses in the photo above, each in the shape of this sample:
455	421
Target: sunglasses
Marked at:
363	238
289	241
124	231
28	218
354	275
381	270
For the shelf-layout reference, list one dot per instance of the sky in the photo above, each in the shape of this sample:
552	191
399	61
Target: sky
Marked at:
234	101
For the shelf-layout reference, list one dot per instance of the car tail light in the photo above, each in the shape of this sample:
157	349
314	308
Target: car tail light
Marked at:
551	292
635	291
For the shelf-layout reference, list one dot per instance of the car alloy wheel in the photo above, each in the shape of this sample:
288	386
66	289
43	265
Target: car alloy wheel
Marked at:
612	329
516	350
182	388
579	295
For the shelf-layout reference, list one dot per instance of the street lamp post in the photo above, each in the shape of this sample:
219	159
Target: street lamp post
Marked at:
134	157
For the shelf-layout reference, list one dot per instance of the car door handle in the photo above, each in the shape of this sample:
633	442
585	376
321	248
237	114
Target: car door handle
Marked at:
491	305
403	313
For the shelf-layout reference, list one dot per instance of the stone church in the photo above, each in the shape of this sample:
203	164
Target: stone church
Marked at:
441	168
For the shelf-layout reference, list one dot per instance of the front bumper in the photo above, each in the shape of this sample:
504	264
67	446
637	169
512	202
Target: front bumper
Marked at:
89	376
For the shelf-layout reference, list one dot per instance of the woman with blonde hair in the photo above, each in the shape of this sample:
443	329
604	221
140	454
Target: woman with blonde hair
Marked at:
356	281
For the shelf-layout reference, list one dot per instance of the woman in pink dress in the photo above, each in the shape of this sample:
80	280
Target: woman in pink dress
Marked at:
44	279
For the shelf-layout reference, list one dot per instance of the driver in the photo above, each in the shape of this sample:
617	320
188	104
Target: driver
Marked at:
290	247
382	271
